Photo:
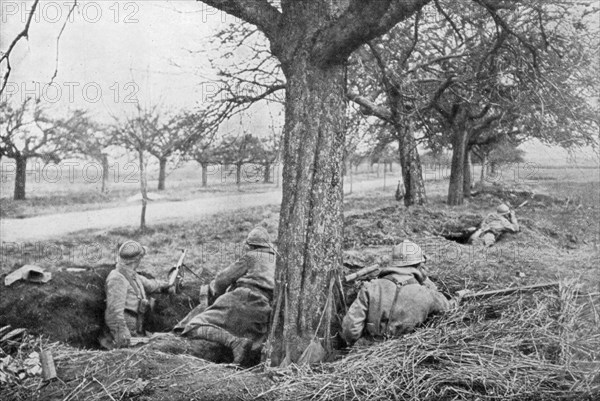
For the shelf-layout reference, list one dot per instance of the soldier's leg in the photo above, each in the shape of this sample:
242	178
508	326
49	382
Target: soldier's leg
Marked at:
238	345
489	239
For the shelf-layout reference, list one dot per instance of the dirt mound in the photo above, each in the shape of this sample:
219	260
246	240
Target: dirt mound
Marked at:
514	197
140	374
389	226
70	307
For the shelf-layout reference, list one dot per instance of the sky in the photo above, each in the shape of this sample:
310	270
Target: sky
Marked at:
114	53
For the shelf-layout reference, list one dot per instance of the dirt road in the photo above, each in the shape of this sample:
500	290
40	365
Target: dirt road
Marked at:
55	225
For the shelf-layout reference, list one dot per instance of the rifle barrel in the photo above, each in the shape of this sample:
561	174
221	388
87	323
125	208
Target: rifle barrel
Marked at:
509	291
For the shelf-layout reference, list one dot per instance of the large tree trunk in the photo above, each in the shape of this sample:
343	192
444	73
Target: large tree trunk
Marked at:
20	177
162	169
143	190
204	167
459	146
412	174
467	175
105	167
311	221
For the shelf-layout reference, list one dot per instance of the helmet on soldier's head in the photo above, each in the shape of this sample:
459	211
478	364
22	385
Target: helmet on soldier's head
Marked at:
503	209
258	237
131	250
407	253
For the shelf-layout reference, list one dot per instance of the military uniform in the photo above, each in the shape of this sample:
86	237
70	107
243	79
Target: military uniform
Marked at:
395	303
391	306
494	226
243	293
126	298
239	316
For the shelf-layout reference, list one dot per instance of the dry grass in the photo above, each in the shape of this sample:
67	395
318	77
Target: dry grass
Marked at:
517	347
140	373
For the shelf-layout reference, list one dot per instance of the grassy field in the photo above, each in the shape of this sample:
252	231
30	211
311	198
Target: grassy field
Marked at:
541	346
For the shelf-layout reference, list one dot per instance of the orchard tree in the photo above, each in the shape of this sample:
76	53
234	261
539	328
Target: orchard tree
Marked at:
522	79
28	132
239	151
92	140
312	41
132	133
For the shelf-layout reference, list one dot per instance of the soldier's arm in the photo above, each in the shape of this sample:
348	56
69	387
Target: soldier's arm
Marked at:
114	316
354	321
153	285
514	224
440	303
229	276
430	284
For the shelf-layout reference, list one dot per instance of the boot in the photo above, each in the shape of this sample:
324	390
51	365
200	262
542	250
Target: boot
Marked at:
239	346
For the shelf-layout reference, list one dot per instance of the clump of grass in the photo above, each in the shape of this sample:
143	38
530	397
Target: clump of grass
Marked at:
516	347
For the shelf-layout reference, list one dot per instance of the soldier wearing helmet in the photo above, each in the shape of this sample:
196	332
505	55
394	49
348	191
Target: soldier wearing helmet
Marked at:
126	297
494	226
401	298
242	293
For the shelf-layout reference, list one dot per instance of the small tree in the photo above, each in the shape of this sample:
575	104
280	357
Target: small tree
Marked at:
27	132
92	140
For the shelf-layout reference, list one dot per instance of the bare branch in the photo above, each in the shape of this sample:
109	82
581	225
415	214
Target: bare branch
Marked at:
6	56
256	12
368	107
58	40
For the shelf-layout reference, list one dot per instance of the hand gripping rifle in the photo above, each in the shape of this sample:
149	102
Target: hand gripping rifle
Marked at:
176	274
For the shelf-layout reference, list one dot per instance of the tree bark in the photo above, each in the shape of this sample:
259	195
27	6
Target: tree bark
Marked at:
459	146
20	177
204	167
105	167
238	173
484	162
412	173
267	175
143	190
311	221
162	169
467	175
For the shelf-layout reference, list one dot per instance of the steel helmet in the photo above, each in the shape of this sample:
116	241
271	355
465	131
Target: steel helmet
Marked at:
503	209
258	237
131	250
407	253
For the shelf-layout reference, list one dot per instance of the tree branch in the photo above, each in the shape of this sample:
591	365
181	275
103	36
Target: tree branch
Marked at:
369	107
6	56
58	41
256	12
362	21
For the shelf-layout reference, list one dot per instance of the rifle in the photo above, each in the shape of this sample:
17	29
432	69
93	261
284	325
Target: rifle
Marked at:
466	294
362	272
176	274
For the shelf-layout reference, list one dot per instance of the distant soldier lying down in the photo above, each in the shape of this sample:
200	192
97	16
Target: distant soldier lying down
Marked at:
494	226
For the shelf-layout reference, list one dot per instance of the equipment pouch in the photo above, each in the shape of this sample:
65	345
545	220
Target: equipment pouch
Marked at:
143	306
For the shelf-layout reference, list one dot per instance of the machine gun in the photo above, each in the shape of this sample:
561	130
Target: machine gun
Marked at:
176	274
